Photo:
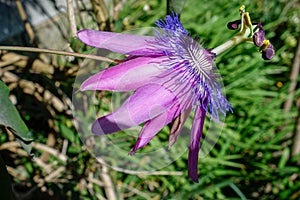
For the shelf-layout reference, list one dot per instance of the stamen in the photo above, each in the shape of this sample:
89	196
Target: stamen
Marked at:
192	68
265	45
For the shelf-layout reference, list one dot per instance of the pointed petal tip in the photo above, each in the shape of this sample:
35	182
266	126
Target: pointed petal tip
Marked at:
105	125
86	85
136	147
194	177
116	42
132	151
93	38
96	128
83	35
81	31
193	166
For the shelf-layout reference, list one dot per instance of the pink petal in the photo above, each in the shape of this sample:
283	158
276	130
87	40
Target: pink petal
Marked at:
125	76
116	42
145	104
153	126
196	134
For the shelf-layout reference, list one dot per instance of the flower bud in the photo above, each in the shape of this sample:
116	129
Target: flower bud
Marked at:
268	53
259	37
234	25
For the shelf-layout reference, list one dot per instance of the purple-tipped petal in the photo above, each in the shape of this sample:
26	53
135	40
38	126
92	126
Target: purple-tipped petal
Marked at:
145	104
116	42
177	125
126	76
196	134
259	37
234	25
268	53
152	127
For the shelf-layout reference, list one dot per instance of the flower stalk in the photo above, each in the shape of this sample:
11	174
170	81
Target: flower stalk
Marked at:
228	44
249	32
57	52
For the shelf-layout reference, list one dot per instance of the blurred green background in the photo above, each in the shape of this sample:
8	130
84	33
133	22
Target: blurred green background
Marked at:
256	157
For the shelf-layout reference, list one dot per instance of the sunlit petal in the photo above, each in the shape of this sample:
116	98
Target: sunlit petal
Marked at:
145	104
152	127
116	42
126	76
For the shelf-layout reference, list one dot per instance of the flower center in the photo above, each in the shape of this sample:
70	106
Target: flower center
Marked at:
192	67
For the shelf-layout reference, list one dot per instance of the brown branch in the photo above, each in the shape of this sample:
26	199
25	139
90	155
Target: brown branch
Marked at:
52	51
79	13
21	61
55	174
101	12
46	167
65	147
288	104
146	173
50	150
108	184
27	25
296	138
137	191
293	78
71	17
15	147
16	173
50	143
117	9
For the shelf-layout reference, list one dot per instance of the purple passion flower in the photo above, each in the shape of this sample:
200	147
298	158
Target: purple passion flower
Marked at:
170	73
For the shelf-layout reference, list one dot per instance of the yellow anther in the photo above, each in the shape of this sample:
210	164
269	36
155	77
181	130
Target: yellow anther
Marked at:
242	9
265	45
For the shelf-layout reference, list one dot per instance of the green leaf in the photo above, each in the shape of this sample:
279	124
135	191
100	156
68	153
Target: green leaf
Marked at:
66	132
284	158
10	118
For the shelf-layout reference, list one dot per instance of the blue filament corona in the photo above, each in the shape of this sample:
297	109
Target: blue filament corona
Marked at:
192	63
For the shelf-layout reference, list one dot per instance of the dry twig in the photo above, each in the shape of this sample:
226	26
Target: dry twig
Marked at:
101	12
293	78
27	25
146	173
52	51
71	17
288	104
108	184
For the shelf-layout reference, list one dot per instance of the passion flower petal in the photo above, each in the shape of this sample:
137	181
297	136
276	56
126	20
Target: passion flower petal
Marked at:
145	104
152	127
196	134
126	76
116	42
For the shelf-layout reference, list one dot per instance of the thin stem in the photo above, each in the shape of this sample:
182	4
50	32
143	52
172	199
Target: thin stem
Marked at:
230	43
51	51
